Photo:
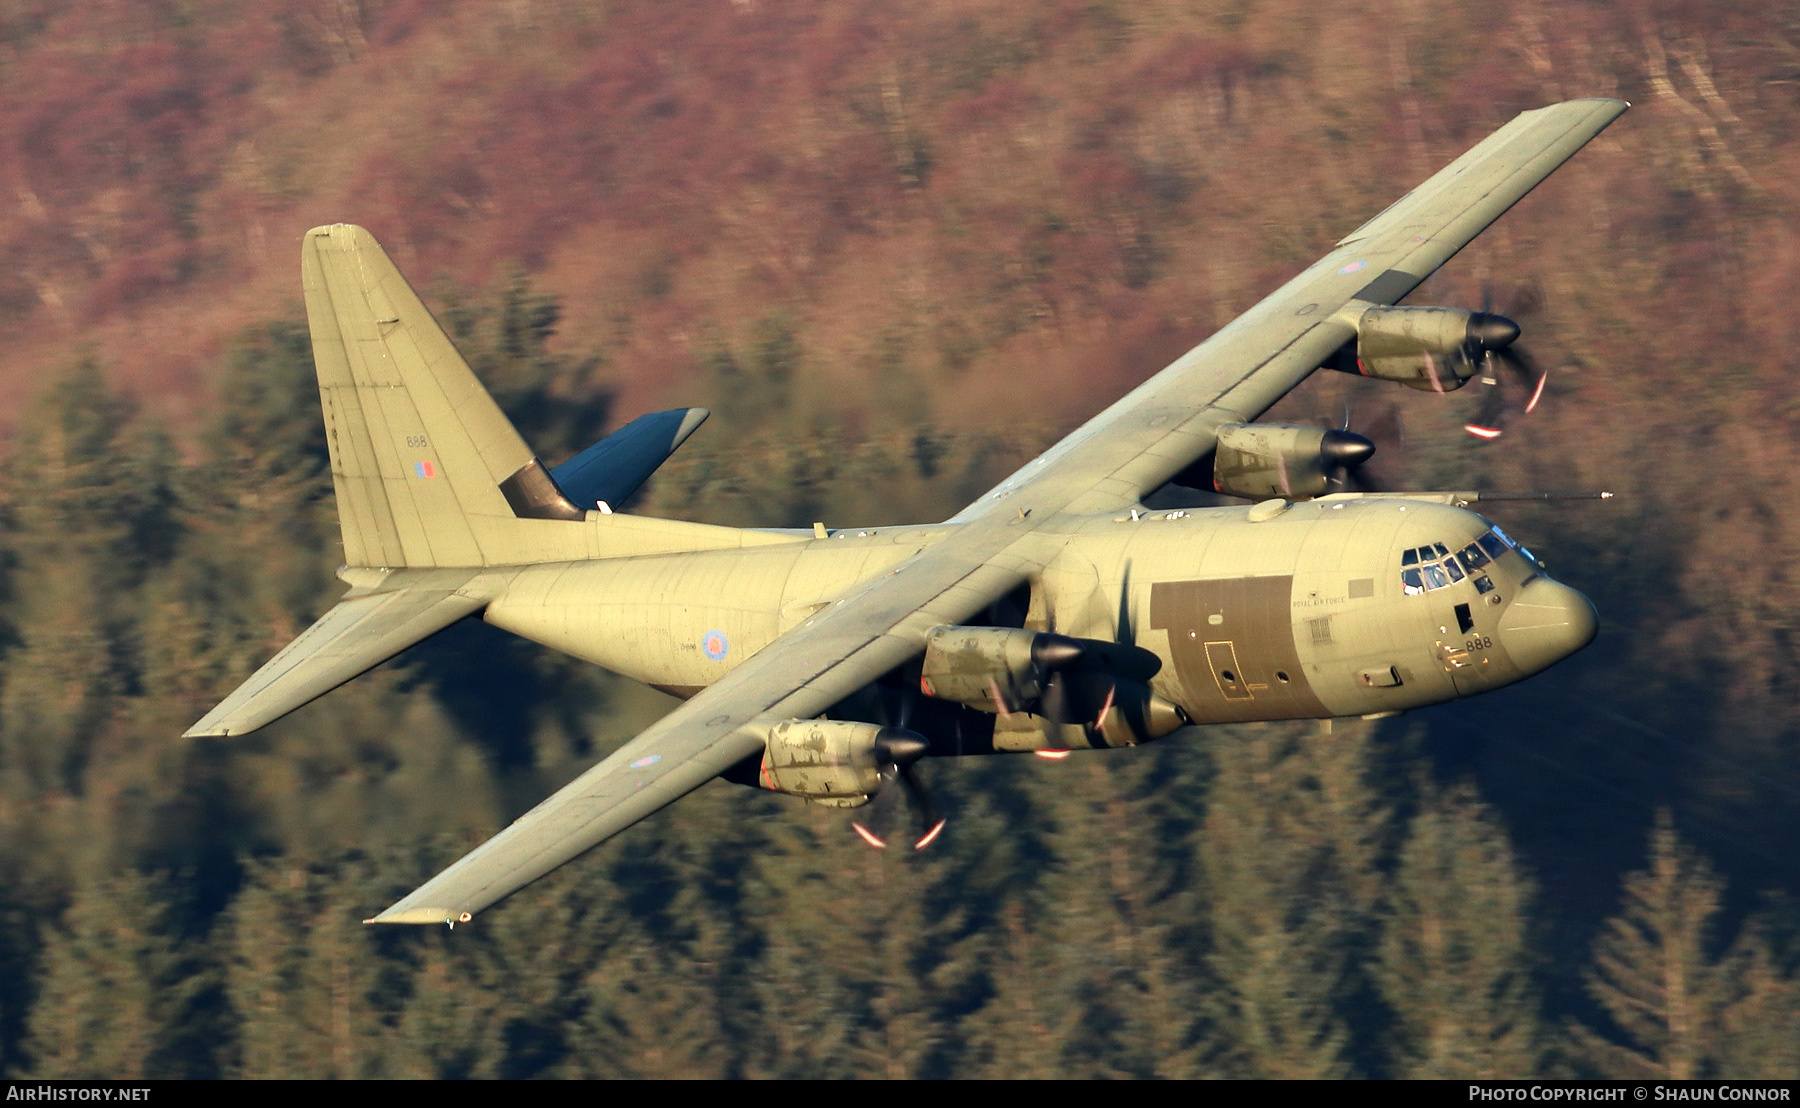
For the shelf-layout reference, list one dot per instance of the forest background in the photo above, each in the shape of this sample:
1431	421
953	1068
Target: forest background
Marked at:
897	249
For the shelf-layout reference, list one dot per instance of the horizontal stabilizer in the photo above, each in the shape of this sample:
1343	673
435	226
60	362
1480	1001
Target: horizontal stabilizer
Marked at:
358	634
616	466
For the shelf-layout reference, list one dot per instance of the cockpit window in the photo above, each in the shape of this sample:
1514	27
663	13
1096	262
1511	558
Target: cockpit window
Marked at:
1439	569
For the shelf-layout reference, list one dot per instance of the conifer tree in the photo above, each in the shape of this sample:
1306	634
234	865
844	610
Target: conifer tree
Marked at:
1759	1028
1287	870
1025	1027
652	1012
1454	963
1116	976
72	522
1652	971
101	1009
302	976
452	1027
557	402
804	1006
856	962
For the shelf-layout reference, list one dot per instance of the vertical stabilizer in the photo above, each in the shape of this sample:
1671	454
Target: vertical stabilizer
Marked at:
419	450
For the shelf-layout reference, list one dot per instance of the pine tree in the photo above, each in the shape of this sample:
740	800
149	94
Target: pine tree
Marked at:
652	1012
856	962
1287	851
1455	965
84	522
805	1007
1028	1022
1652	972
302	976
1114	976
102	1009
1759	1028
452	1027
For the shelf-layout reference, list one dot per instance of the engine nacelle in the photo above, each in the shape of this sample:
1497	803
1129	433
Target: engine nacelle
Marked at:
993	669
1431	349
833	762
1287	460
1101	687
1114	712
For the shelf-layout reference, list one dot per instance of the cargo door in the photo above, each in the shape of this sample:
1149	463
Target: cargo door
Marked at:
1232	645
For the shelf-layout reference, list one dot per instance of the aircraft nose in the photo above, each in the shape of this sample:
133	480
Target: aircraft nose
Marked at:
1546	622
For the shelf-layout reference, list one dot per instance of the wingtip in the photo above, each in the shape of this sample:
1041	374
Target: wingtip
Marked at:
689	424
421	916
326	230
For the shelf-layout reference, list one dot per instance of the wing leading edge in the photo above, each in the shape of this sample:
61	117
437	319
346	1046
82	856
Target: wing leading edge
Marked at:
1108	463
1169	422
798	676
359	632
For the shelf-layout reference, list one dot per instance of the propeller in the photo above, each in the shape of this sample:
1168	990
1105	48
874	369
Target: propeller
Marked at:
1344	452
1492	338
1073	699
896	750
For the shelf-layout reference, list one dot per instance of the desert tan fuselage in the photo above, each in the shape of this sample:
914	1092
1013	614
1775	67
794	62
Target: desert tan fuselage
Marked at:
1299	615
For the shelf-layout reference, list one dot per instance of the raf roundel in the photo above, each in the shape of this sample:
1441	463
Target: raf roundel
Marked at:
714	645
1353	267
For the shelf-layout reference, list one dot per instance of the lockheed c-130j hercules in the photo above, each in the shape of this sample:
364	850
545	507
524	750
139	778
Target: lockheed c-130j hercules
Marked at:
1056	612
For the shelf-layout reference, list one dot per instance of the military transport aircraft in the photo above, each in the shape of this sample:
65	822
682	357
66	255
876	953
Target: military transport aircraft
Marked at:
1056	612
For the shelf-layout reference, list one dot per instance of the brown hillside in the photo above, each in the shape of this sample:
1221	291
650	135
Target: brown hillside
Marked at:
943	200
895	247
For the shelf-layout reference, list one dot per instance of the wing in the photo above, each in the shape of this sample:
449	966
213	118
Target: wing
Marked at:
1170	421
1110	462
357	634
798	676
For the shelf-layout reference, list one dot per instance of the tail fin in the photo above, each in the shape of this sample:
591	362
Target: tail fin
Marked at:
425	464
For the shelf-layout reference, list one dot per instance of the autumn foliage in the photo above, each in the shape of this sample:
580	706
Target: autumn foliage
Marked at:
897	248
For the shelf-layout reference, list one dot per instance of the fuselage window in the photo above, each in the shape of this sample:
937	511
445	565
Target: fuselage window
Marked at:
1473	557
1492	543
1410	558
1455	570
1410	581
1435	577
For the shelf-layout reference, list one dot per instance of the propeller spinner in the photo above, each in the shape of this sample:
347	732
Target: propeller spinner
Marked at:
1491	339
895	752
